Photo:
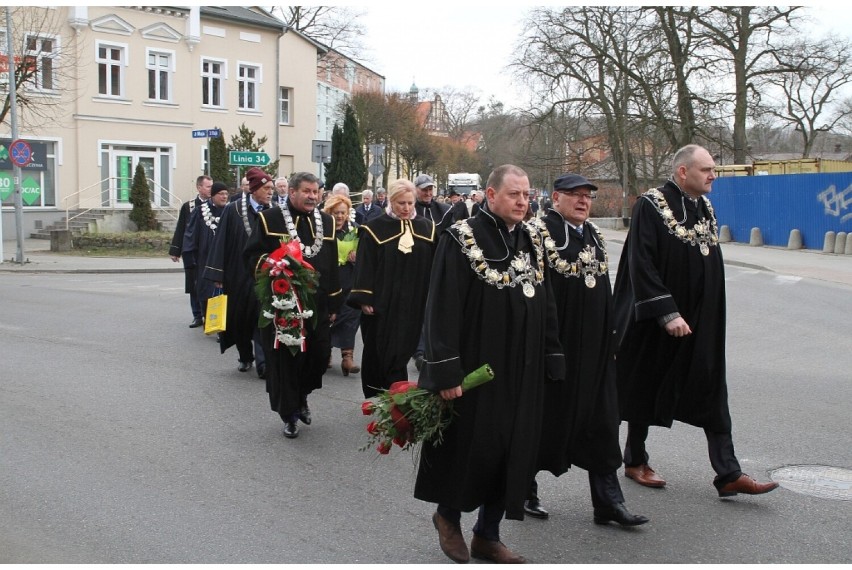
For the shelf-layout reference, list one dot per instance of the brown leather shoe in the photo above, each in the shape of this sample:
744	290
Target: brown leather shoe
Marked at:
644	475
495	551
747	486
451	540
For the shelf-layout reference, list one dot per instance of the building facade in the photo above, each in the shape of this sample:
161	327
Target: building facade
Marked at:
123	86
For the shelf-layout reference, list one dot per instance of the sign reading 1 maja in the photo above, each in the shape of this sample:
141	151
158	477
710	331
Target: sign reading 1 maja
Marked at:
244	158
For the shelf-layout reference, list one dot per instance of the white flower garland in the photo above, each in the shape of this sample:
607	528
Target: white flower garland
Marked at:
520	272
308	251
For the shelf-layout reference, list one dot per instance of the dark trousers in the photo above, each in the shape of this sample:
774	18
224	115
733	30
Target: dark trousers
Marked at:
487	521
604	487
194	303
720	447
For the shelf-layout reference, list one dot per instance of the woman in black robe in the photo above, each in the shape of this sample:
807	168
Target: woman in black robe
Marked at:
390	287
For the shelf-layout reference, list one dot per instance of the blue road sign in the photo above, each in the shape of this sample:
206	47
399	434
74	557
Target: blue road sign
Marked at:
200	134
213	132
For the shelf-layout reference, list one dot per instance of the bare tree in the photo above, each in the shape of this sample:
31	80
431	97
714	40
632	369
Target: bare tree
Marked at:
42	72
338	27
744	35
805	93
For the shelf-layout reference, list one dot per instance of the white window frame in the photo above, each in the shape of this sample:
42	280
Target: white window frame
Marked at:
285	105
249	87
37	84
222	78
169	70
124	50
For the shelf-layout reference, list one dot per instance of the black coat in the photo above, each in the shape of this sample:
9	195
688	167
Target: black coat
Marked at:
489	451
580	424
436	212
395	284
197	243
362	216
225	265
662	378
176	247
290	378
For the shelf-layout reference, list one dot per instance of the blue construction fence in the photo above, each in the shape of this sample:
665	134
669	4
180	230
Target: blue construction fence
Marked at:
811	203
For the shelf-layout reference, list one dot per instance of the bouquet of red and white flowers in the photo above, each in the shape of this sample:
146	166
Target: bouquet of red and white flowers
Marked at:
285	286
406	415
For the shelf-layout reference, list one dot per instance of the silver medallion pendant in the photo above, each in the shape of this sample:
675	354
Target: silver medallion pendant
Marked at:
591	281
704	248
529	290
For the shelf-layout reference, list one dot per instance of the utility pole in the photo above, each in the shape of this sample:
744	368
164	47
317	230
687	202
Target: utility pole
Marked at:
16	170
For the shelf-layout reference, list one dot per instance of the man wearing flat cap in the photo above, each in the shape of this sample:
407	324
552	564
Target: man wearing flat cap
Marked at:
292	377
425	206
226	268
580	420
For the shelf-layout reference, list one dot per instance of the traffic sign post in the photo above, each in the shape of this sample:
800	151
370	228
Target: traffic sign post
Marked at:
20	153
242	158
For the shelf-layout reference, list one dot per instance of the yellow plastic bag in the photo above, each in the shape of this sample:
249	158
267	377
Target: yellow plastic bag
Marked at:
217	314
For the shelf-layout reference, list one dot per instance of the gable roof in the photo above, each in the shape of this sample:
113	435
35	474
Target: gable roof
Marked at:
260	18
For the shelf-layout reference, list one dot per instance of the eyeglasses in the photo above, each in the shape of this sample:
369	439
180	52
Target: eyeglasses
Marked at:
579	195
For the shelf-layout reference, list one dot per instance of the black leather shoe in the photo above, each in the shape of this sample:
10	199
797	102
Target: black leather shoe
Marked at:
244	366
197	322
533	508
261	371
291	430
618	513
305	414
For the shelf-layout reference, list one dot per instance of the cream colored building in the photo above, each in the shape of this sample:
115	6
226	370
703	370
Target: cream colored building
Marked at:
133	85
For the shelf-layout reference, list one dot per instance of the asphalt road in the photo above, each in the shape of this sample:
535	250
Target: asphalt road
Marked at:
125	437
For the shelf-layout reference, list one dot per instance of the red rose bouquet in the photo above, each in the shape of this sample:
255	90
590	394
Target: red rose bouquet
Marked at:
285	285
406	415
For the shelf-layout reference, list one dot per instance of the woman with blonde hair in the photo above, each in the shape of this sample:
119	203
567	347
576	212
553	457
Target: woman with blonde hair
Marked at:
346	324
391	282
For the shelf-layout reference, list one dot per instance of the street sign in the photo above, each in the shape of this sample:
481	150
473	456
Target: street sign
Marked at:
20	153
376	169
213	132
320	151
200	134
243	158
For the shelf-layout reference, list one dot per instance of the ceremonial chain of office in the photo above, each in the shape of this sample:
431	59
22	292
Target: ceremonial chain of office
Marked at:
312	250
520	272
704	233
587	264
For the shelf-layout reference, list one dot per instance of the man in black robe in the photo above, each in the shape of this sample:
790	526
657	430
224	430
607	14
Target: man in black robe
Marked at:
580	425
202	186
670	313
489	303
458	209
227	270
291	378
199	235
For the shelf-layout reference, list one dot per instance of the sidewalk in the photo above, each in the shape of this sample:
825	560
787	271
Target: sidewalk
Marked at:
807	263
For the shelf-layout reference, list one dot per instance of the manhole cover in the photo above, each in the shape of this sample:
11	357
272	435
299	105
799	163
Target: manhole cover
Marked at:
815	480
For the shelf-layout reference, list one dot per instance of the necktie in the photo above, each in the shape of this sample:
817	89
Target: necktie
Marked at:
579	230
259	208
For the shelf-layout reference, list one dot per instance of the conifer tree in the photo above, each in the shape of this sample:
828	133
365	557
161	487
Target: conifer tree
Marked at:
140	196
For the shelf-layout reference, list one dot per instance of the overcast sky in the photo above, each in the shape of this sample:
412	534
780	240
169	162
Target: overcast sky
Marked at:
464	45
